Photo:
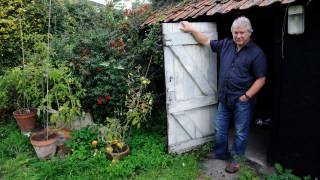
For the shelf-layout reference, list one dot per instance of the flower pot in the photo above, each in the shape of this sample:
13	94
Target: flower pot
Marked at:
119	155
64	135
44	147
26	119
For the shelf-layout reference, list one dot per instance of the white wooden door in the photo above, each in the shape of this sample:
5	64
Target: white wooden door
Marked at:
191	84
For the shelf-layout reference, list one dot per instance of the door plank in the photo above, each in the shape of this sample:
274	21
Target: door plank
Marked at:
187	124
199	79
184	146
175	39
193	103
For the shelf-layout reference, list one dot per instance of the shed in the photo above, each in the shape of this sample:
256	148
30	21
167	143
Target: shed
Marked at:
290	98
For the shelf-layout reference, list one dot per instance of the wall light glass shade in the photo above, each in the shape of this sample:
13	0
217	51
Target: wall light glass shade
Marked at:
296	19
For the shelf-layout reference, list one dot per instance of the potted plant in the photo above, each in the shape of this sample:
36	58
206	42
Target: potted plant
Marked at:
44	143
113	136
62	99
61	104
138	108
21	90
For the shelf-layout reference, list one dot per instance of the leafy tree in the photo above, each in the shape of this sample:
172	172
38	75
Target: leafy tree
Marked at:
32	17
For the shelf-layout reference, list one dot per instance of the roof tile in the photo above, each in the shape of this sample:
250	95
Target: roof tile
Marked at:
195	8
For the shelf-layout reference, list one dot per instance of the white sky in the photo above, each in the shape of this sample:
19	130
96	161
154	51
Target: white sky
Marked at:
128	2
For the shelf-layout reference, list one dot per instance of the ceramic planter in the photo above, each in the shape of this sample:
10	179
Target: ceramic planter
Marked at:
26	119
44	147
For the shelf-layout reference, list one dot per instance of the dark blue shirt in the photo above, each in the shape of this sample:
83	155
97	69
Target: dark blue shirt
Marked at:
238	70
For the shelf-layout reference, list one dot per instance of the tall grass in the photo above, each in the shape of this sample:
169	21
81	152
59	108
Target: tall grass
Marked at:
147	160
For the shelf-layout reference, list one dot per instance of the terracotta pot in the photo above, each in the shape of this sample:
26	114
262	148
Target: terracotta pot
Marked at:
44	147
64	135
119	155
26	119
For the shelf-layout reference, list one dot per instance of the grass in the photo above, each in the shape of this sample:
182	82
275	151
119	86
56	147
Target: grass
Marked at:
184	167
147	160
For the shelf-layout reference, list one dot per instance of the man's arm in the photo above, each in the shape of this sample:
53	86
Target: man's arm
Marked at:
201	38
254	89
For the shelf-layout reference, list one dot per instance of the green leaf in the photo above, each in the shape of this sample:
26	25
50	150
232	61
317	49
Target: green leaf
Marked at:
119	67
278	168
105	64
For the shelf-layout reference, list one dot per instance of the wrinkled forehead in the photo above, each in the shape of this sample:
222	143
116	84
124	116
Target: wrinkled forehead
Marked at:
240	27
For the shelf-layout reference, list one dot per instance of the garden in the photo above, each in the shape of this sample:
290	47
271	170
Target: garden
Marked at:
64	61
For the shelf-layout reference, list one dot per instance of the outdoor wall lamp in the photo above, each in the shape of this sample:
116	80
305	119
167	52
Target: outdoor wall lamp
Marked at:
296	19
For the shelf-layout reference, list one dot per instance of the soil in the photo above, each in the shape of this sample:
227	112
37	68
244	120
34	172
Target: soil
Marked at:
25	111
43	137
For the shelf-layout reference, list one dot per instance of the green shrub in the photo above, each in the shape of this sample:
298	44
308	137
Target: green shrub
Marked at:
65	15
104	51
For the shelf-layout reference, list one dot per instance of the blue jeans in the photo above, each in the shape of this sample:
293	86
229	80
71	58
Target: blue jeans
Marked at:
242	113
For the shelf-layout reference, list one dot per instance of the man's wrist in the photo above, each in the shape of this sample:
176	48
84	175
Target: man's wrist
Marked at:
248	97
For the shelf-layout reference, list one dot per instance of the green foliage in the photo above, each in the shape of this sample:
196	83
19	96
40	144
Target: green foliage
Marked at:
13	143
21	87
113	132
27	87
246	173
282	174
104	50
147	153
186	166
151	48
8	93
80	144
139	103
33	19
101	46
65	16
63	94
94	50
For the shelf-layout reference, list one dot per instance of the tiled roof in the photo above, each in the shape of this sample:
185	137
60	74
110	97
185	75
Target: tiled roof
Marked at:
195	8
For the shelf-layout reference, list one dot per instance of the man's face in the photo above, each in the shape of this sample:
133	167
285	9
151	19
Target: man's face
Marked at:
240	36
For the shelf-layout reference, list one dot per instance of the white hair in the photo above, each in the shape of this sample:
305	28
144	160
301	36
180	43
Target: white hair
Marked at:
242	21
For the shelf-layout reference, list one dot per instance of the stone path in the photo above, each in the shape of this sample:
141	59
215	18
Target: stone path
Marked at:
255	153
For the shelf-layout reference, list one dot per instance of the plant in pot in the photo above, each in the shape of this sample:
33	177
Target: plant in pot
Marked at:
61	104
21	91
113	137
138	108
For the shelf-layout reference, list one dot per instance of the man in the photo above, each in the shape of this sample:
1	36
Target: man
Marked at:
242	74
